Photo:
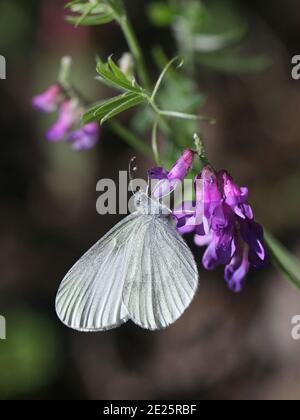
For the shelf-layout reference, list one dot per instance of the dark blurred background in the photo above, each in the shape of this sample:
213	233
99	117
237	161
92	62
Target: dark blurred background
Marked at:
226	346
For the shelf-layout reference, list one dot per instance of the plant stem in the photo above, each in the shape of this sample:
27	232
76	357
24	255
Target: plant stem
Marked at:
65	72
135	50
184	116
131	138
154	143
200	149
161	77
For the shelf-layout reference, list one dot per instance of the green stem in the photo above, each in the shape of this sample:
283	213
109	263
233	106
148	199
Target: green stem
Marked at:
154	143
200	149
161	78
131	138
135	49
65	72
184	116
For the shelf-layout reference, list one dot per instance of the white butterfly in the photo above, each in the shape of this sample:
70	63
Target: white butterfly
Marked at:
141	270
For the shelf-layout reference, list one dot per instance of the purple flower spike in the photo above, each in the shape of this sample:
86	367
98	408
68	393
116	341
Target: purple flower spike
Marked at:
50	100
86	137
236	197
223	221
169	180
68	115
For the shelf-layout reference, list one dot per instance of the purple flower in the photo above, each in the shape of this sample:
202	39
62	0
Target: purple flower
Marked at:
228	229
253	235
236	197
50	100
209	196
238	268
169	180
85	137
186	217
69	114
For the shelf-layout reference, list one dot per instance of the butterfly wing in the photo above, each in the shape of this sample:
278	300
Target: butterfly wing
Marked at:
90	296
162	276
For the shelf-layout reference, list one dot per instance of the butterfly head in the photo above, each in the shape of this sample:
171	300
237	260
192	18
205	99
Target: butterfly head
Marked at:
147	205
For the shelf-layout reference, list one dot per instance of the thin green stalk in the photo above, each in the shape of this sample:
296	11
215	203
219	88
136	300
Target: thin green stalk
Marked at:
161	77
65	72
154	143
135	50
200	150
184	116
131	139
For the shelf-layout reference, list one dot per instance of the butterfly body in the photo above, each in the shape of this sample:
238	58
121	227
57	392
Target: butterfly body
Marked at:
140	270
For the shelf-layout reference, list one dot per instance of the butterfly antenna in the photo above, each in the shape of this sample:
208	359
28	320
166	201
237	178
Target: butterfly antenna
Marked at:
148	186
132	169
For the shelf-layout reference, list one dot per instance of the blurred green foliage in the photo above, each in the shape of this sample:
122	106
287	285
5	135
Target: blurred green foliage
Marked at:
30	356
211	33
13	34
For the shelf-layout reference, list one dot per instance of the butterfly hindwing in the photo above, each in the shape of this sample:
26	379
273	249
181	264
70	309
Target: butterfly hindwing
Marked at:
162	276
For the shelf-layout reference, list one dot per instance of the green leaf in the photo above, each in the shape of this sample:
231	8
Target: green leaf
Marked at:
111	75
190	117
91	20
105	106
216	42
108	109
88	13
118	73
72	3
85	14
284	260
131	103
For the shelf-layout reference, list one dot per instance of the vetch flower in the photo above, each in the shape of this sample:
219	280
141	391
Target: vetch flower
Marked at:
169	180
85	137
238	268
67	126
236	197
185	217
69	114
208	195
50	100
227	227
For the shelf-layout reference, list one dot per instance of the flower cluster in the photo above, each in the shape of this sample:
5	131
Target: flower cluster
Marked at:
67	127
223	220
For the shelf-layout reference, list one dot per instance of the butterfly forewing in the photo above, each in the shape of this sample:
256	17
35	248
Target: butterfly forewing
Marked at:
90	296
